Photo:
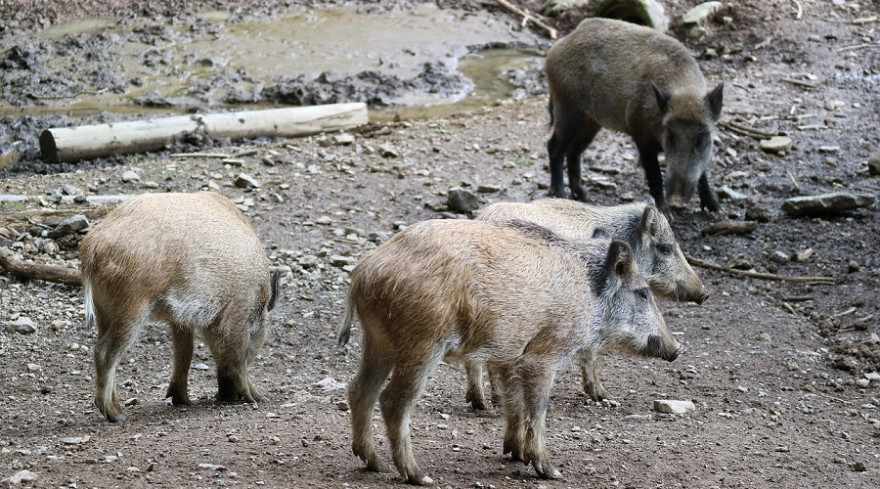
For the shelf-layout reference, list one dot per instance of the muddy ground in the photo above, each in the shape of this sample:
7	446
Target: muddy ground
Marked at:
779	371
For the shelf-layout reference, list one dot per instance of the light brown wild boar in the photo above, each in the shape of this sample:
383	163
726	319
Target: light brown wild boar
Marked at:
642	226
632	79
191	261
514	295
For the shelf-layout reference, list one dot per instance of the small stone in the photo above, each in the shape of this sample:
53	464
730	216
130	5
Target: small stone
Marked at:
343	139
874	163
859	467
803	255
863	383
69	226
763	337
829	149
342	406
488	189
873	376
201	366
19	477
731	194
324	221
33	367
700	13
378	237
130	176
834	104
673	407
462	200
776	144
243	180
21	325
76	440
388	151
308	261
328	384
826	203
341	261
853	266
60	325
69	190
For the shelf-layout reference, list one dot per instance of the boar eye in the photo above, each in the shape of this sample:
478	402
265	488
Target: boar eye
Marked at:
664	248
643	293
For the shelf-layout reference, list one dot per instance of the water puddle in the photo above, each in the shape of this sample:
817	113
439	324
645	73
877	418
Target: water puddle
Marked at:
220	60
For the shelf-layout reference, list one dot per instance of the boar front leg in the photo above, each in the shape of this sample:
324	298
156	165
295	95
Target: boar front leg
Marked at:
537	381
708	199
648	151
589	377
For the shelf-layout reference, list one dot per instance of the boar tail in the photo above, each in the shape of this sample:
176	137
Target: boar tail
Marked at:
345	328
89	303
276	277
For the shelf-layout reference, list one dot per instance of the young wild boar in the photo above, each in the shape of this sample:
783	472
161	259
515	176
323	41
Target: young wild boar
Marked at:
642	226
633	79
191	261
512	294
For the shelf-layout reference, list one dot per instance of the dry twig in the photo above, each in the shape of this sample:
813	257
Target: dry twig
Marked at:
765	276
49	273
860	46
528	17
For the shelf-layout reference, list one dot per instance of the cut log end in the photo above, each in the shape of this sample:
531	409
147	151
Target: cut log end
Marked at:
48	148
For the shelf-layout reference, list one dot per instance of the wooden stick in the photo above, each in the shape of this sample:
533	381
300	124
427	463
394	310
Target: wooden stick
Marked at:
766	276
799	83
865	20
859	46
730	227
800	10
746	131
75	143
49	273
812	389
31	216
528	17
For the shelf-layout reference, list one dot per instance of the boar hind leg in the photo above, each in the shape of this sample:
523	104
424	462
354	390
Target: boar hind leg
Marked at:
475	394
231	353
407	382
589	377
537	380
182	342
362	394
708	200
571	136
648	151
114	337
514	413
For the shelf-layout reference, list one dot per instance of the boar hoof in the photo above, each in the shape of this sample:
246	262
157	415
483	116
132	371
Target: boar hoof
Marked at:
116	417
419	479
557	192
478	403
547	471
513	449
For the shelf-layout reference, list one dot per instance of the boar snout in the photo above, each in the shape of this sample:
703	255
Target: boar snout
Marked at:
658	347
702	296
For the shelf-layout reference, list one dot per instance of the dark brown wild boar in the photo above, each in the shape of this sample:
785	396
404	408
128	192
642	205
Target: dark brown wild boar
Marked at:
633	79
191	261
514	295
642	226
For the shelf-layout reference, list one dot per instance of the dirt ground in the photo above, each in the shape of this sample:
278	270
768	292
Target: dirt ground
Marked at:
780	372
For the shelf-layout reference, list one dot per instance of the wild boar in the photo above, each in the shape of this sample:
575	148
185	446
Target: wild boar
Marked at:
642	226
512	294
633	79
191	261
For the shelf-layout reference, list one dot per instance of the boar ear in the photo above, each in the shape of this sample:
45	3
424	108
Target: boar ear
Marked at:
650	220
662	98
601	233
714	101
620	260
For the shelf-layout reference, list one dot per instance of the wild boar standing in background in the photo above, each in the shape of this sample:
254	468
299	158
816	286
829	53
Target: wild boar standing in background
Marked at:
633	79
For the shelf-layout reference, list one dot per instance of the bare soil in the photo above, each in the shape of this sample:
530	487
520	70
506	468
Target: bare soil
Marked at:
779	371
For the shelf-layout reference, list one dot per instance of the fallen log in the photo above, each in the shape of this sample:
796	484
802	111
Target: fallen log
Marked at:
49	273
59	144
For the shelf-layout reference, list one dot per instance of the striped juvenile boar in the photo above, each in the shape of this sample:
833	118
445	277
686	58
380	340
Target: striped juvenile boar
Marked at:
191	261
512	294
642	226
633	79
